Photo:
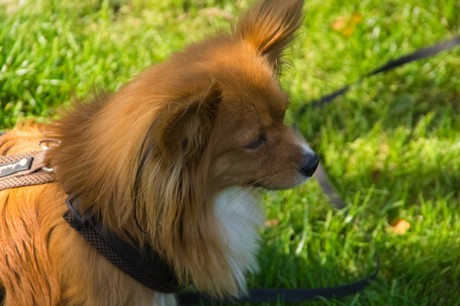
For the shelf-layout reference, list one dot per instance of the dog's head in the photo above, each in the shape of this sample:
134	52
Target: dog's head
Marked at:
225	111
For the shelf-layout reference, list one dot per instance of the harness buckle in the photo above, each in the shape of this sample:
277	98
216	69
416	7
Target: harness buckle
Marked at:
72	208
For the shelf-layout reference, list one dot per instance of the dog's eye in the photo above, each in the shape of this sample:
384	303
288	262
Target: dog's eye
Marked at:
257	143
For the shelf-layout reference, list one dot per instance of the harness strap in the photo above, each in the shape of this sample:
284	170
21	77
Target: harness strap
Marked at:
144	265
24	169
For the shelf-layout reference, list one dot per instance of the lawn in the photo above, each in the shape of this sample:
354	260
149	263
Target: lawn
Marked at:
391	145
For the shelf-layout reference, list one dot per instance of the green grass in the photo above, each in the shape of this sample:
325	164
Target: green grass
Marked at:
391	145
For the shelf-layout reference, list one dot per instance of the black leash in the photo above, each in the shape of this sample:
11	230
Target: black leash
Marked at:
287	295
405	59
300	295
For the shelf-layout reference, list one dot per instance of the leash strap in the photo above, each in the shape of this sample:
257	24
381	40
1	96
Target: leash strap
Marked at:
405	59
328	188
298	295
287	295
24	170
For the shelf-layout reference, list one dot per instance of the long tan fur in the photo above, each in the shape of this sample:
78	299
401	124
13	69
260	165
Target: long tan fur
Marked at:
150	160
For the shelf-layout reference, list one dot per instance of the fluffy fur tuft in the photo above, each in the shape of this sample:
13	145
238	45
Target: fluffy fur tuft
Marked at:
171	160
270	26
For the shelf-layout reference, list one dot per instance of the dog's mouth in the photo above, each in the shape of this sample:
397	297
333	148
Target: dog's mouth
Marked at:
255	184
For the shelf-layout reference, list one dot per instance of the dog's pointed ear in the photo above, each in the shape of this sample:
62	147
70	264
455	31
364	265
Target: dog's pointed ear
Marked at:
186	124
269	26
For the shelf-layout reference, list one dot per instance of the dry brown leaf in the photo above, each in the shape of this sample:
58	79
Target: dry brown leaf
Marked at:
272	222
400	226
346	25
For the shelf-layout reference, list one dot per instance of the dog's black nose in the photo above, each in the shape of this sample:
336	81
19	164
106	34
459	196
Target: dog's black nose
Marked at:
310	163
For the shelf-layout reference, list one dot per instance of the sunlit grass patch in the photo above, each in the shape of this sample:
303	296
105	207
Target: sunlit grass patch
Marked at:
391	145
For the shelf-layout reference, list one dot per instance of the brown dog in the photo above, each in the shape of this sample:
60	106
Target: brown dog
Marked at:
170	162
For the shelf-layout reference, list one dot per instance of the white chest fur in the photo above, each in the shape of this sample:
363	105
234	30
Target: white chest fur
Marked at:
241	219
